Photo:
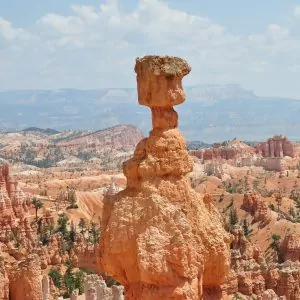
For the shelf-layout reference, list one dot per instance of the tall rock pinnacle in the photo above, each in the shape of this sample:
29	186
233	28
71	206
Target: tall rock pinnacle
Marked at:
160	239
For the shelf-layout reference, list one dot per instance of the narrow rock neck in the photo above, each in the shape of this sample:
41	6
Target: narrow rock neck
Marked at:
164	118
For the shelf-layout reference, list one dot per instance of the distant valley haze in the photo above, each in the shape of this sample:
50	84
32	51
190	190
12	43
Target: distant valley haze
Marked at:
211	113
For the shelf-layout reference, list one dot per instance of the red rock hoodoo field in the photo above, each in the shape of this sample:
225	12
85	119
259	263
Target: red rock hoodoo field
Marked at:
182	221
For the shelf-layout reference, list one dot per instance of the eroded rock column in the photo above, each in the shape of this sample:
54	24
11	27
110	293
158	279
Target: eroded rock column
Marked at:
74	295
45	287
25	279
159	239
117	292
4	281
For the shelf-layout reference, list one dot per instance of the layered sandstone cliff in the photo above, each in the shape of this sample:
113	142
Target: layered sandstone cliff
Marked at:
276	154
277	146
216	152
236	152
159	239
13	202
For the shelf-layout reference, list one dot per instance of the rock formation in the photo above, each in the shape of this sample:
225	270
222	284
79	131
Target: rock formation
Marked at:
117	137
278	146
269	295
273	164
159	239
117	292
74	295
95	288
45	287
234	152
111	189
216	152
275	152
4	281
253	278
258	208
247	268
13	202
20	268
290	247
214	169
25	279
242	250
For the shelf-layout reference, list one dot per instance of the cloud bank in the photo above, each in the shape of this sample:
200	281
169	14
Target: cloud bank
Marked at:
95	47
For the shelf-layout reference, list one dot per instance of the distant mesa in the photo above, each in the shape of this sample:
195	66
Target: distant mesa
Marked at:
195	145
234	109
47	131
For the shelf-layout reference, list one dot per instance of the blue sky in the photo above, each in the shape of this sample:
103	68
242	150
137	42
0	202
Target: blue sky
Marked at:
86	44
238	16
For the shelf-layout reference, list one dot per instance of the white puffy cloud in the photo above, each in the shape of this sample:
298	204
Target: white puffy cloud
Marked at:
8	32
152	20
64	25
86	13
297	11
95	47
276	32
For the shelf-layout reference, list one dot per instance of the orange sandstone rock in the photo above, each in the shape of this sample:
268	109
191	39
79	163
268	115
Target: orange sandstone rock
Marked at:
278	146
13	202
25	279
159	80
257	207
290	247
4	281
159	238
